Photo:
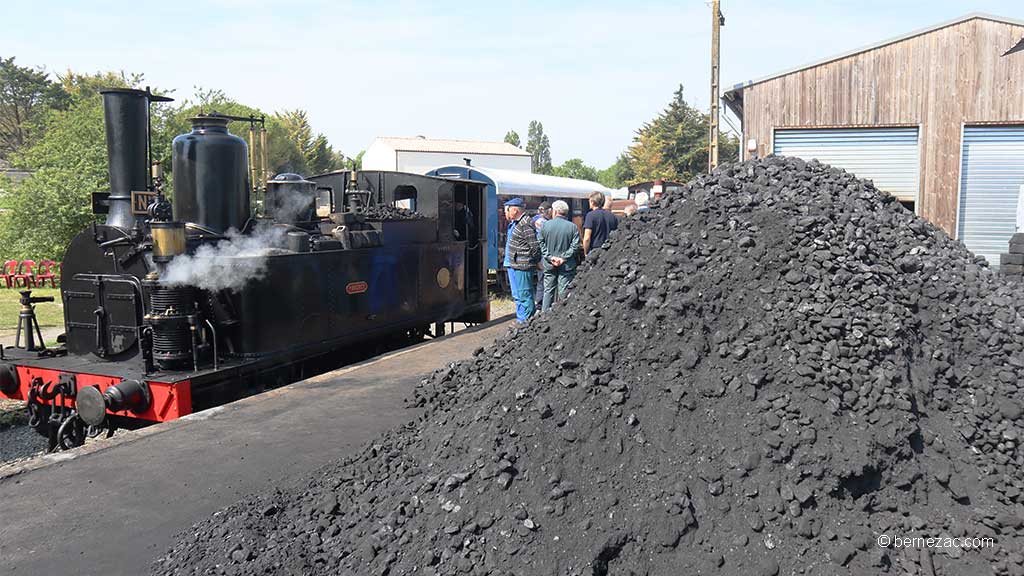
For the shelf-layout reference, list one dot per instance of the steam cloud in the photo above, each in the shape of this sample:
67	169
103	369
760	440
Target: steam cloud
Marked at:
228	264
241	258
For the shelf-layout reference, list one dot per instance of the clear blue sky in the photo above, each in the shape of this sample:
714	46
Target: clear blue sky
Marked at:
591	71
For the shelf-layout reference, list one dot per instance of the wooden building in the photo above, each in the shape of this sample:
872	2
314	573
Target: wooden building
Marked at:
935	117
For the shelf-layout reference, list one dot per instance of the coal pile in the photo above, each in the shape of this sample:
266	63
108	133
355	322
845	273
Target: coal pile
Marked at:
386	212
762	375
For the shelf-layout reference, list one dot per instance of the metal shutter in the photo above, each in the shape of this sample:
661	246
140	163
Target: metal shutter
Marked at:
991	176
887	156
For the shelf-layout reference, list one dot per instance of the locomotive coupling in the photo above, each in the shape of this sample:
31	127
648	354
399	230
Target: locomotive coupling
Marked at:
92	405
8	379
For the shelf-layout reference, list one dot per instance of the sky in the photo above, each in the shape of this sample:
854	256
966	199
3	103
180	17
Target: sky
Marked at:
591	71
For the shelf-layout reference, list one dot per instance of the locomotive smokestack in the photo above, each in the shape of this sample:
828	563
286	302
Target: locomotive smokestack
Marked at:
126	119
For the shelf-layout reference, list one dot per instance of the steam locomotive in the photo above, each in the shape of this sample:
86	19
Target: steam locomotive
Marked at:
171	308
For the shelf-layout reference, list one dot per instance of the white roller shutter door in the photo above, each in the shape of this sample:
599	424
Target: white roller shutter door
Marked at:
887	156
991	178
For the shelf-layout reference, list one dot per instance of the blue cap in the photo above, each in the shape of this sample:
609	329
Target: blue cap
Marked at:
516	202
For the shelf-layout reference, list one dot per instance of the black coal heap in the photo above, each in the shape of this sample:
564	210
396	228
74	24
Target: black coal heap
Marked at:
762	375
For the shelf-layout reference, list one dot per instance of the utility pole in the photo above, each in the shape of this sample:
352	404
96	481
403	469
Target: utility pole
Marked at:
717	21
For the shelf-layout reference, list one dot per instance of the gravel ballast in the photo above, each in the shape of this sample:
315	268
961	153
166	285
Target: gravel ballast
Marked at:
17	440
762	375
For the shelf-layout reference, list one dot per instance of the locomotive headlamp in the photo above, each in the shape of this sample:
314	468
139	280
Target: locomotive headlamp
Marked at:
8	379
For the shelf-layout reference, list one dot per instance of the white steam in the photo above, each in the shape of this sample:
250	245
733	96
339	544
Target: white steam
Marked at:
241	258
288	204
228	264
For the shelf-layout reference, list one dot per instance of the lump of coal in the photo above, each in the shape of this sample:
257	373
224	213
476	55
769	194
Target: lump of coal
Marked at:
761	374
387	212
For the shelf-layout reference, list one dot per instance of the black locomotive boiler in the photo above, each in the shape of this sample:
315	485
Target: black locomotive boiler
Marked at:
174	308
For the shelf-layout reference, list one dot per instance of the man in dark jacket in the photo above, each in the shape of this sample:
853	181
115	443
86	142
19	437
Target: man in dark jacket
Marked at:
597	224
559	240
542	216
522	255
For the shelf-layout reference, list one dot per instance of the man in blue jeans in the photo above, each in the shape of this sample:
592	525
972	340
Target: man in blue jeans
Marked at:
522	256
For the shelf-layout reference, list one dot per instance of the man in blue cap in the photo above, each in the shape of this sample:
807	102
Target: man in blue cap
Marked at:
522	255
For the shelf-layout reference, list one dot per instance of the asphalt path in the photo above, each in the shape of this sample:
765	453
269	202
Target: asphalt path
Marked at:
113	509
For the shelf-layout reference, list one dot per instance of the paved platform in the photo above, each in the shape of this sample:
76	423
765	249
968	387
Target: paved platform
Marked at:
112	508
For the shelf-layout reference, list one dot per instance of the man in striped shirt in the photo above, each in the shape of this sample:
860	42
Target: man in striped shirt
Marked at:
522	256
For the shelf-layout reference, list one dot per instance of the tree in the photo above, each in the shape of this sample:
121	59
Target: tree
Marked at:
83	86
283	154
354	163
539	147
618	174
316	151
512	138
26	95
69	162
674	145
575	168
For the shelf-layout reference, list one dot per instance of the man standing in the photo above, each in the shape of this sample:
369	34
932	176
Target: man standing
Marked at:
598	224
559	240
642	200
463	227
522	255
542	216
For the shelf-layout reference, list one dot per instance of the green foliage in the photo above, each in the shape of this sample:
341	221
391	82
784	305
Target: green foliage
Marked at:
354	163
674	145
575	168
512	138
318	155
48	314
70	161
26	95
539	147
84	86
283	154
618	174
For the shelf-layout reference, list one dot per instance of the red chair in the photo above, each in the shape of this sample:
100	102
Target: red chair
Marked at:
47	270
26	273
9	270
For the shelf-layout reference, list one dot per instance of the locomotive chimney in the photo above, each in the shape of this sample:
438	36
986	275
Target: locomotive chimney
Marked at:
126	119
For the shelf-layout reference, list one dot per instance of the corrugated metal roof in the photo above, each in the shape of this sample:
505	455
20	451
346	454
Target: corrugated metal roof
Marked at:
417	144
731	94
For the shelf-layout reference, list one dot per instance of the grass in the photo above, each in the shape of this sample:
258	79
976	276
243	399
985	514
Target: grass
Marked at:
12	413
501	304
49	314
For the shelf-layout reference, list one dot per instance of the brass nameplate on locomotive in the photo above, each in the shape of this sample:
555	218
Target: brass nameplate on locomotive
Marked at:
141	199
